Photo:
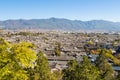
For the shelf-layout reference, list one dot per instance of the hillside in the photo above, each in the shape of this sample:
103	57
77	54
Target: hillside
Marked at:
60	24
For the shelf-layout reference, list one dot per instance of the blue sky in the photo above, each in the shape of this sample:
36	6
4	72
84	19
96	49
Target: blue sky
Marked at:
70	9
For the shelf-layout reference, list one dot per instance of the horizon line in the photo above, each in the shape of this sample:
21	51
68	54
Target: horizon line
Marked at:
59	18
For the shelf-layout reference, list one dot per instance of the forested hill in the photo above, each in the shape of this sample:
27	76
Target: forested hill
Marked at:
60	24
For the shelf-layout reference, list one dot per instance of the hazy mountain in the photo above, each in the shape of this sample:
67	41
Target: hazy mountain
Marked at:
61	24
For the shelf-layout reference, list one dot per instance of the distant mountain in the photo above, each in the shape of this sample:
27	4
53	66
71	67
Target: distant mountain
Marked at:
60	24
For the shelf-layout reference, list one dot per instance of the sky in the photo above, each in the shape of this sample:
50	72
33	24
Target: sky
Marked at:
70	9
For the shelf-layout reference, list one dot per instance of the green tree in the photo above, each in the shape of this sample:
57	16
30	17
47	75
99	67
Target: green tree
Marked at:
69	73
83	71
58	75
23	54
106	71
90	42
118	76
42	70
87	71
14	59
58	49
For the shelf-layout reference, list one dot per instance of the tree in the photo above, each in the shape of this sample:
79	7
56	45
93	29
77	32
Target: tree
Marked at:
14	59
42	70
83	71
108	55
23	54
118	76
87	71
58	49
20	62
90	42
69	73
58	75
114	44
106	71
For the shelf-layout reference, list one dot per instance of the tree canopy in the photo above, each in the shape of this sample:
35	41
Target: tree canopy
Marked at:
81	71
14	58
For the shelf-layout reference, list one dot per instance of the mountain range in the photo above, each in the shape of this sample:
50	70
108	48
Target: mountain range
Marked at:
60	24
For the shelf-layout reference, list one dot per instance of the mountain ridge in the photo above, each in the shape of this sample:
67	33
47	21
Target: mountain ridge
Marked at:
61	24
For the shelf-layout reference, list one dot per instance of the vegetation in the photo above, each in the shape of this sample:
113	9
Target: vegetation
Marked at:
83	71
58	49
20	62
90	42
106	71
108	54
100	70
28	34
42	70
14	59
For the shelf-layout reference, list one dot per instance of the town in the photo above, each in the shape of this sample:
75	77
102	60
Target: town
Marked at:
61	46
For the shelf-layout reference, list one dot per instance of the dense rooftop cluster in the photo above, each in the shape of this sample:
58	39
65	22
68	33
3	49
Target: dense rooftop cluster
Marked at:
60	47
